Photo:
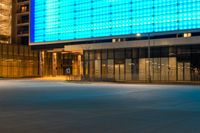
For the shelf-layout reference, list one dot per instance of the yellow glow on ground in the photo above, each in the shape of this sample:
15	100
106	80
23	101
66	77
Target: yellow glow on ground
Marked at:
61	78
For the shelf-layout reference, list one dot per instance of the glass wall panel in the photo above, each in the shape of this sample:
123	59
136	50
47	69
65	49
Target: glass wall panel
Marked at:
86	69
10	70
142	69
135	53
187	72
86	55
172	51
110	69
104	69
164	69
128	69
128	53
5	50
119	54
147	70
92	55
97	69
143	53
195	63
92	69
117	72
135	69
172	69
122	72
110	54
104	54
5	67
164	52
180	71
98	55
155	52
156	69
151	70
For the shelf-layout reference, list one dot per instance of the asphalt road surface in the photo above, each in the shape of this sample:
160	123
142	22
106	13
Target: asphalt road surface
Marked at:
34	106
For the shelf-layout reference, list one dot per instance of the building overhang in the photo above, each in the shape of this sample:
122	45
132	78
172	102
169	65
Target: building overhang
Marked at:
134	44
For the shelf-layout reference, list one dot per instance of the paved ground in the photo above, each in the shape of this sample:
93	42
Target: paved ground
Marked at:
59	107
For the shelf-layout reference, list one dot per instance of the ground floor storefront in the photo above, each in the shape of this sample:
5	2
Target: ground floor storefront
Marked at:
168	63
163	64
128	62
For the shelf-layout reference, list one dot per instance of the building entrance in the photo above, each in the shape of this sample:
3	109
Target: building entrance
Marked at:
54	64
74	62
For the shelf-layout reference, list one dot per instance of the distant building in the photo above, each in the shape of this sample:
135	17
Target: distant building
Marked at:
5	21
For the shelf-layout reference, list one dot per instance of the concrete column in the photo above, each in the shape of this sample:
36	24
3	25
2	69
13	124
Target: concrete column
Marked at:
80	63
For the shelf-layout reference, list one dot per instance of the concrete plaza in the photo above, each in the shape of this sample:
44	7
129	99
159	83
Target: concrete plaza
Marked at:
36	106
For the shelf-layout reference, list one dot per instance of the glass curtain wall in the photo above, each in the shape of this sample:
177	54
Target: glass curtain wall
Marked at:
104	18
18	61
166	64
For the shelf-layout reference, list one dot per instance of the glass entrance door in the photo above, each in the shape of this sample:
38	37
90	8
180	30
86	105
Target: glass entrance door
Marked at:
119	72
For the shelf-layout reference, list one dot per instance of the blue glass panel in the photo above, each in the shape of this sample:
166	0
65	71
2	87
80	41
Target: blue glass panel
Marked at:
55	20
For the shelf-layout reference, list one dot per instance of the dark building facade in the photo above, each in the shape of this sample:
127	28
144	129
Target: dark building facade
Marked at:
20	22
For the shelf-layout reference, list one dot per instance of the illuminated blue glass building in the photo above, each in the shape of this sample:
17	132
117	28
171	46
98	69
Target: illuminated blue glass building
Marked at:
56	20
115	37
